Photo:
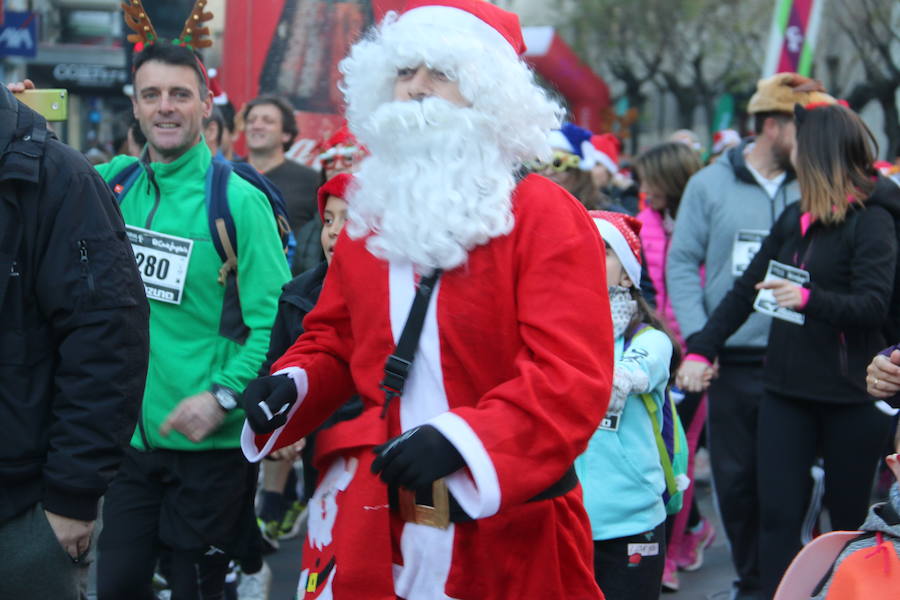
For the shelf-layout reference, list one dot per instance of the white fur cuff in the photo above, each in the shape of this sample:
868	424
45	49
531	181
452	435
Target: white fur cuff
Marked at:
479	498
248	437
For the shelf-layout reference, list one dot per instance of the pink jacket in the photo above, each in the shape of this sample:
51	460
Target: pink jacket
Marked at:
655	241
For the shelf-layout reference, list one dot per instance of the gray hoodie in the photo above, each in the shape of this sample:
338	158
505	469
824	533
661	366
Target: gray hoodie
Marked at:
718	202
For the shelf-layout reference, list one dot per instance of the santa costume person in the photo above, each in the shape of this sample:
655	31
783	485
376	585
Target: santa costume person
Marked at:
512	369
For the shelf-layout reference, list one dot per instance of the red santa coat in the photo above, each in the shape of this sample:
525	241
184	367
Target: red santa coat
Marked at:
514	367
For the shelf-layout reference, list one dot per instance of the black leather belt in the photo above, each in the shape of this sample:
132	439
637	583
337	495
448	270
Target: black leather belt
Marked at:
429	503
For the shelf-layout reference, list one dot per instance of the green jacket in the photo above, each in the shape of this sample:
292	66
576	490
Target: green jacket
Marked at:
187	354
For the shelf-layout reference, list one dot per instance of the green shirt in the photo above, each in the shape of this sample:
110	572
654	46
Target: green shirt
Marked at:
187	354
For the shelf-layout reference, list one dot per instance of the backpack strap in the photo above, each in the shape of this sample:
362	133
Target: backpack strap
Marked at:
224	237
633	332
122	181
668	470
276	199
221	222
663	429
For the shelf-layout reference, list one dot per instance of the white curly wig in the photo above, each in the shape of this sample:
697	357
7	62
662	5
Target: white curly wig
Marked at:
491	76
439	178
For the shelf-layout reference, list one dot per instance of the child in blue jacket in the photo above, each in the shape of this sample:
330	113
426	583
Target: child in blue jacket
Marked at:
621	473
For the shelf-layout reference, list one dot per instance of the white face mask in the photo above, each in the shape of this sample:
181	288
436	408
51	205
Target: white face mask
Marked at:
623	309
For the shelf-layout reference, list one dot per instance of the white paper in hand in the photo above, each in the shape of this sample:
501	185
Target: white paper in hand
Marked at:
765	299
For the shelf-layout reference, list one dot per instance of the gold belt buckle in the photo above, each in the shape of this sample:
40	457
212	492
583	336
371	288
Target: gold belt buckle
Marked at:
422	514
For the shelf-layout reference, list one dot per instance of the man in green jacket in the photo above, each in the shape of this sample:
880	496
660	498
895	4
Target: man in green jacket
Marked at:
184	484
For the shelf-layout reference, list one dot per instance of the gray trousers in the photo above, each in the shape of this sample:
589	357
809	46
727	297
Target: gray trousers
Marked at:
34	566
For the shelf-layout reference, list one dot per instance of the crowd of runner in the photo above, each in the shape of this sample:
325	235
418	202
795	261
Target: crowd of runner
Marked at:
471	353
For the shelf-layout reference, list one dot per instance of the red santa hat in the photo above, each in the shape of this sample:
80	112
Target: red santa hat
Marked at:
337	187
620	232
220	98
342	144
602	149
483	20
725	139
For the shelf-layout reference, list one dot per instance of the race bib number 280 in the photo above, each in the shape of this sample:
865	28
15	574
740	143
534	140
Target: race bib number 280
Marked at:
162	261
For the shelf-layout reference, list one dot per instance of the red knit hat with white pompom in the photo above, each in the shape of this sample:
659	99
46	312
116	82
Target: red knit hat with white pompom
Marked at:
620	232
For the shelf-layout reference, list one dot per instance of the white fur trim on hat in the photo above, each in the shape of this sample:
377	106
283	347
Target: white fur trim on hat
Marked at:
612	236
592	156
558	140
458	20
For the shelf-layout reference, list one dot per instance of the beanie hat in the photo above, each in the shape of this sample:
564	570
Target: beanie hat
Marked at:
570	138
490	24
621	231
602	149
337	187
725	139
779	93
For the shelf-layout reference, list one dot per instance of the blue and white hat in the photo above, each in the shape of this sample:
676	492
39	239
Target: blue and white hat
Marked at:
570	138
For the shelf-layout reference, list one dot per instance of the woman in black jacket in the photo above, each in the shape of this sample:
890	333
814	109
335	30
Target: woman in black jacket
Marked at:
842	235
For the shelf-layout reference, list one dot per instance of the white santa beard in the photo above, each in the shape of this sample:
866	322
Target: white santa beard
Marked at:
435	185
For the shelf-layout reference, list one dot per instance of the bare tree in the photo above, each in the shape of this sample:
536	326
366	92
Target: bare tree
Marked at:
715	48
873	28
692	49
625	42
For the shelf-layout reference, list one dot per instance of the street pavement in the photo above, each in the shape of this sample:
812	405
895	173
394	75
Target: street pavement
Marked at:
711	582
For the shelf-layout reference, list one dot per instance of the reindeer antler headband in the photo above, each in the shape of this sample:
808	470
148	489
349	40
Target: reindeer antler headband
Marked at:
194	34
136	18
194	31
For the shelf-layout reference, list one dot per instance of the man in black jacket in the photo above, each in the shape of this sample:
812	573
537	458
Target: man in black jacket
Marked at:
73	354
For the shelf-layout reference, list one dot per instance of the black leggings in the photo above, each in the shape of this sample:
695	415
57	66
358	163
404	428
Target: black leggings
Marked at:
792	433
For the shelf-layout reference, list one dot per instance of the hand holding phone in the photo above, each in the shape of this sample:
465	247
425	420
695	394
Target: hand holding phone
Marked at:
52	104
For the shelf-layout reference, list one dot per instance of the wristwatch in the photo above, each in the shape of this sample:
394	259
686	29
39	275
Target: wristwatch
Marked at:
226	397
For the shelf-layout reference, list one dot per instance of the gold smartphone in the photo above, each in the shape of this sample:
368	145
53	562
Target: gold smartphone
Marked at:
52	104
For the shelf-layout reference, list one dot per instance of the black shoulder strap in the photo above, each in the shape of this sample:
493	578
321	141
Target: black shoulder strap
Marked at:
398	365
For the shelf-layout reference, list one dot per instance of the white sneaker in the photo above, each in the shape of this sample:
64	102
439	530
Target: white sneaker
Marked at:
255	586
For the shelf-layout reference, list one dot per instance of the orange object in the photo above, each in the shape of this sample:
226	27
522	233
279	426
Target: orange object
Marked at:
872	573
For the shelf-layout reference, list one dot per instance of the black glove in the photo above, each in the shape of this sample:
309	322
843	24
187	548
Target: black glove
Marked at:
416	459
266	400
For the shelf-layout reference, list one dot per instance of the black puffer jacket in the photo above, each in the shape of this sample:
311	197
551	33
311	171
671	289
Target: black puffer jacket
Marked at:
852	268
74	335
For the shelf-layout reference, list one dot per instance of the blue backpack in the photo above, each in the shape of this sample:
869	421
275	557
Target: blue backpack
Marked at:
671	441
222	228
